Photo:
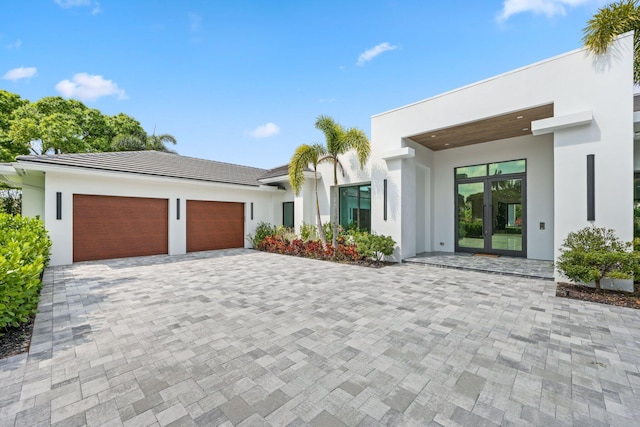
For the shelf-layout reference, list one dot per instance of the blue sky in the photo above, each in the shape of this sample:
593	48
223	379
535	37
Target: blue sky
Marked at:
243	81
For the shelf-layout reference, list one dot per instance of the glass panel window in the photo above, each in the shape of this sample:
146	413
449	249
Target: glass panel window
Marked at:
355	207
503	168
287	214
471	171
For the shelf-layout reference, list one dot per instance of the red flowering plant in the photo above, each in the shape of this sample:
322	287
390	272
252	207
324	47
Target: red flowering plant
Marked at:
283	241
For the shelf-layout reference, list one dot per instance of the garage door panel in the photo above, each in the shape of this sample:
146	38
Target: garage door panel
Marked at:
107	227
214	225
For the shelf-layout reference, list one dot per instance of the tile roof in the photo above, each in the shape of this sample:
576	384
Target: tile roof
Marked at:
155	163
276	172
280	171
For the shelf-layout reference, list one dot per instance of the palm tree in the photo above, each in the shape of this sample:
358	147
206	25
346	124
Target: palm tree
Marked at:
339	141
305	155
159	142
611	21
142	142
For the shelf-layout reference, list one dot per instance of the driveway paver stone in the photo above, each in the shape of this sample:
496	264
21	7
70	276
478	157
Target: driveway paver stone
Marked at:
241	337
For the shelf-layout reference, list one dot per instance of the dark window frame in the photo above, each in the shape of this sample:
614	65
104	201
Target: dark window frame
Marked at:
293	214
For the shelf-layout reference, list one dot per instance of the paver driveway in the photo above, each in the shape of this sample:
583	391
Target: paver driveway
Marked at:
248	338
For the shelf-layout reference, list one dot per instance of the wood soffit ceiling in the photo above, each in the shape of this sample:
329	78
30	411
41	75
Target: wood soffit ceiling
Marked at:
508	125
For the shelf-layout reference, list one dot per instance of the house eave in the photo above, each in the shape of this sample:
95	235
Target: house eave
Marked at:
25	167
283	178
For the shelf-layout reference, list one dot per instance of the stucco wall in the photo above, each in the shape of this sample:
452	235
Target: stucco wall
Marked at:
33	195
128	185
574	82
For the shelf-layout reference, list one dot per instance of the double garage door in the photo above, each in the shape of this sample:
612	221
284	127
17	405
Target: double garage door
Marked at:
107	227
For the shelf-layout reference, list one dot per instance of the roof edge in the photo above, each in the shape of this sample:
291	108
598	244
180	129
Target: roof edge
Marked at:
498	76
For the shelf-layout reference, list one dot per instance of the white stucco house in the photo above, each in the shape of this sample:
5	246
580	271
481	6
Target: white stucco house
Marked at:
509	165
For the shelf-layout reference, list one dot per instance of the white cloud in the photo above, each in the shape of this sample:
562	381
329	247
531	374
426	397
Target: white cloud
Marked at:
67	4
195	22
369	54
15	45
89	87
72	3
541	7
264	131
20	73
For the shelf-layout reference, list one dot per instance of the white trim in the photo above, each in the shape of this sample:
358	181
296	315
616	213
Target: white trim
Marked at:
552	124
499	76
27	166
400	153
284	178
9	176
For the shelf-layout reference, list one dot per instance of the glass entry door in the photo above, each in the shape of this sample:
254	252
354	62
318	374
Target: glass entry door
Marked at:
491	213
506	203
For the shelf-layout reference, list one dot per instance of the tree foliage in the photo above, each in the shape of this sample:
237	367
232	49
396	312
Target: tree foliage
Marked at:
9	103
593	254
57	125
339	141
611	21
304	156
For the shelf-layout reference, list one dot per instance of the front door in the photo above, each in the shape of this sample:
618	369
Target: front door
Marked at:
491	209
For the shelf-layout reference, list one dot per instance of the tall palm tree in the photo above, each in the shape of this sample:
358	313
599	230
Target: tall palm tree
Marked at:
304	156
340	140
611	21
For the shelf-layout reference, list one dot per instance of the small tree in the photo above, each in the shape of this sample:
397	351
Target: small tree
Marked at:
593	254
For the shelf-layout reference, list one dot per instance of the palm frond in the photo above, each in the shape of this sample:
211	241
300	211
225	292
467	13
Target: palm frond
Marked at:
304	155
609	22
357	140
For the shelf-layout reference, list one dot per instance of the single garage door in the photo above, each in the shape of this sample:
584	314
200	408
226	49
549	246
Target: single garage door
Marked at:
214	225
118	227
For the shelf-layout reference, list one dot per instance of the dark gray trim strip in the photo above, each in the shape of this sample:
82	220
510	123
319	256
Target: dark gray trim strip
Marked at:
58	205
591	187
385	199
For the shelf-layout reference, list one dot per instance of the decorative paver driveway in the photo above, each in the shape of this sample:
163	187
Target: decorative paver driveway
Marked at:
249	338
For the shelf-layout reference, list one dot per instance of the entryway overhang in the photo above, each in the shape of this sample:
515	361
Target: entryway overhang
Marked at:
508	125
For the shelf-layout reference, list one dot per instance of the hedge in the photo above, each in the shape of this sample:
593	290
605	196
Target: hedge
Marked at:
24	253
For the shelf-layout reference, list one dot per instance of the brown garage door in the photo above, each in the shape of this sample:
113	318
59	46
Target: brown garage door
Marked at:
118	227
214	225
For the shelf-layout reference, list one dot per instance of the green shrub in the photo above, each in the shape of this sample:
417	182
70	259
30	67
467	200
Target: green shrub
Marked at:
24	253
327	227
308	232
372	246
592	254
263	230
285	233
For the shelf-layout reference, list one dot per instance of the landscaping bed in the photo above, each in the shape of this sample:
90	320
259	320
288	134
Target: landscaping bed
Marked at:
16	340
353	246
604	296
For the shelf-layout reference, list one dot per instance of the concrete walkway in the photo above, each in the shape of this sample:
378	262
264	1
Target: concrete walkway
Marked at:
510	266
248	338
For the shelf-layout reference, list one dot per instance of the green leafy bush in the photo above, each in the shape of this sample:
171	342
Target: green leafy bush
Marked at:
285	233
263	230
592	254
24	253
373	246
308	232
327	227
